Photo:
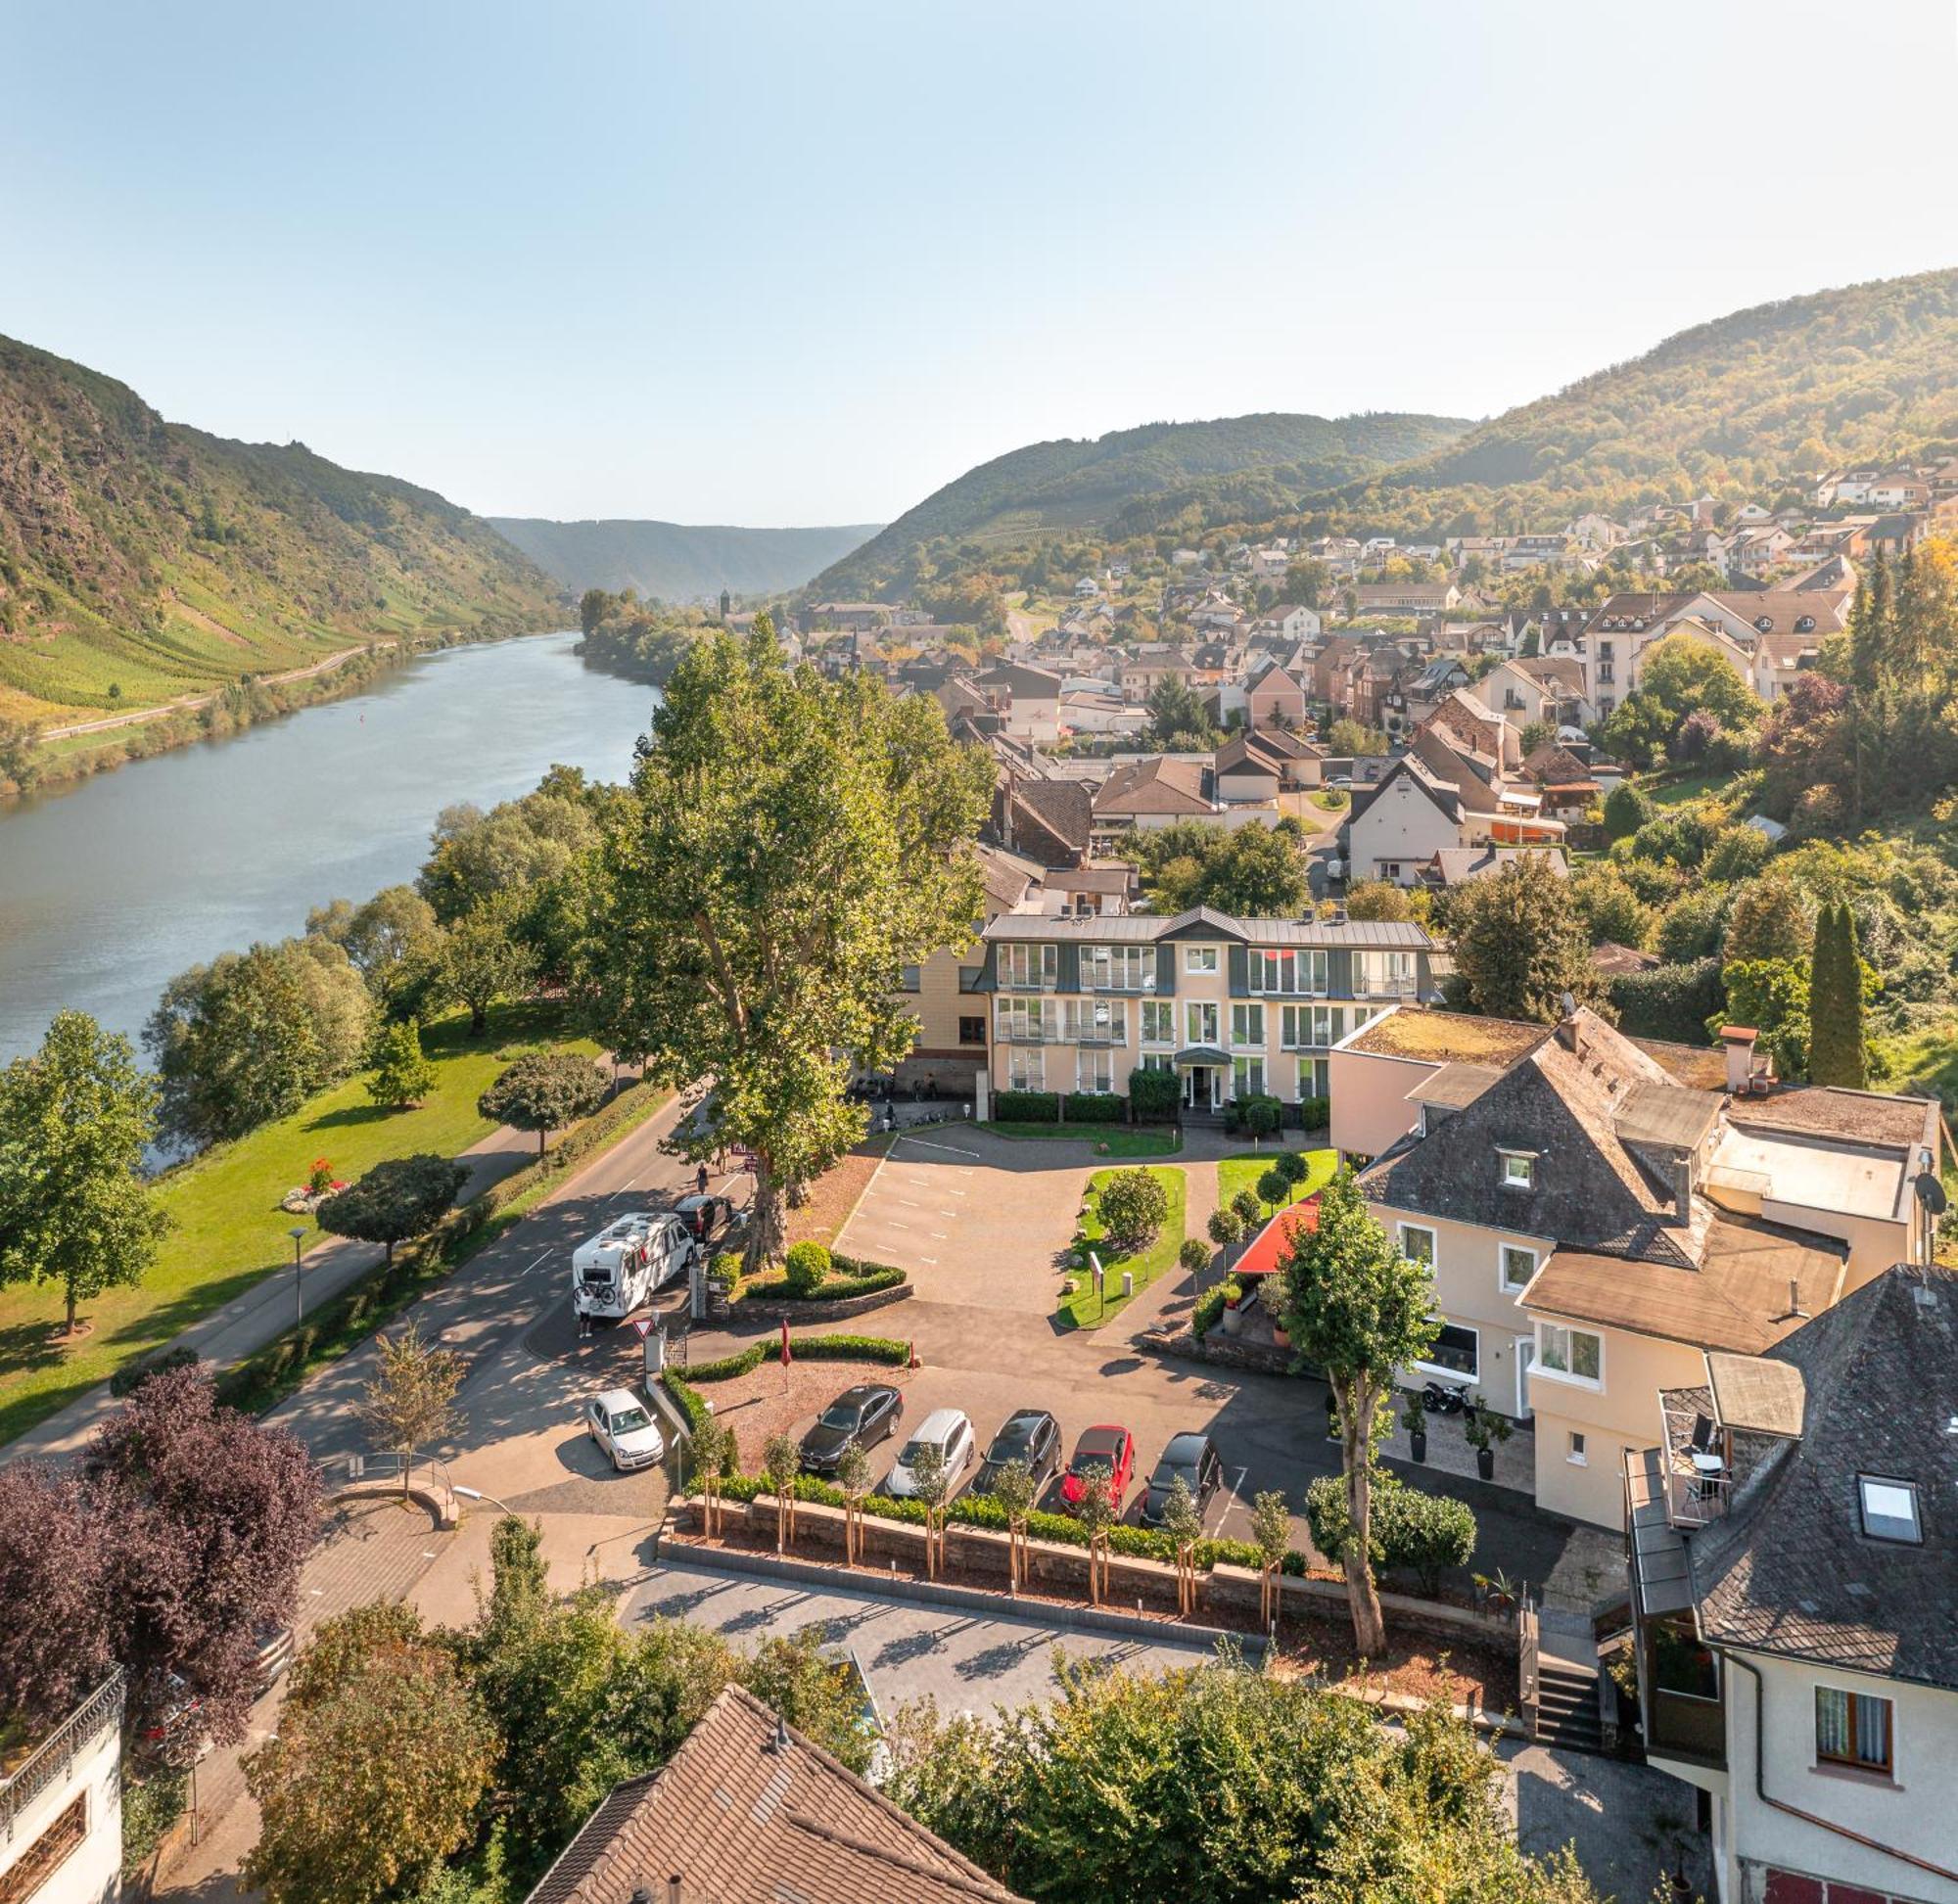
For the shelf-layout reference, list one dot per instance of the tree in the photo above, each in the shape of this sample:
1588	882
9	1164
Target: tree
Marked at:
1768	919
410	1398
1097	1510
853	1482
54	1642
75	1203
1271	1535
1292	1170
1771	995
1014	1491
789	846
1194	1258
1380	898
205	1517
1837	1051
1260	874
1679	676
479	960
1357	1310
1251	1212
369	1785
1520	944
1353	740
543	1091
1628	807
1226	1229
399	1199
1176	712
1610	908
1273	1188
931	1487
379	936
1134	1206
714	1458
781	1465
402	1074
1183	1525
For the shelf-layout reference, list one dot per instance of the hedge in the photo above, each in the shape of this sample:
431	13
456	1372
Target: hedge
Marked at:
1209	1305
849	1277
1097	1107
806	1348
1026	1106
1411	1528
1669	1001
1154	1094
1313	1113
689	1403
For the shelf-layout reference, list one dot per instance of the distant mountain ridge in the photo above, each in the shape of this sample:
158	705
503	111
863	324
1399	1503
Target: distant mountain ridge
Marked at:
1088	483
676	562
142	561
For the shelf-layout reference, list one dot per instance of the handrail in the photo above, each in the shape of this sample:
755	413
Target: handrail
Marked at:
53	1756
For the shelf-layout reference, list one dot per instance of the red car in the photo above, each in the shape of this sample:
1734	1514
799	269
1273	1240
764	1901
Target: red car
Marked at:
1111	1448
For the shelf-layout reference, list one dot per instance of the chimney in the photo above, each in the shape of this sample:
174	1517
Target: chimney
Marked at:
1738	1040
1567	1026
1682	1189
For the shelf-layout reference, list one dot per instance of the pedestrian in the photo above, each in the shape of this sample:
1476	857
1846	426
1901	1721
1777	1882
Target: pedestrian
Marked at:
700	1180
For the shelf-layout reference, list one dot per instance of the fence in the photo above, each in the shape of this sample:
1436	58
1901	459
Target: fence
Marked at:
53	1758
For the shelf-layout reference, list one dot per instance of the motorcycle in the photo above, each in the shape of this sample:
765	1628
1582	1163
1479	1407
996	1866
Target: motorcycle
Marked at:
1438	1399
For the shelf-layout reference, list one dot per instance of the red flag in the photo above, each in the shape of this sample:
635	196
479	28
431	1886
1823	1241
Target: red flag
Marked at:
787	1358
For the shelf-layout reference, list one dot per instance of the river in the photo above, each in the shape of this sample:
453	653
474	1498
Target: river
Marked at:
110	888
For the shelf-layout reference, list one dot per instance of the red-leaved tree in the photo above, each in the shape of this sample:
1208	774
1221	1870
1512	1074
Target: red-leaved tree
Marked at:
54	1639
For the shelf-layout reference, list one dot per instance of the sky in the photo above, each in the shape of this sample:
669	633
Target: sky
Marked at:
770	263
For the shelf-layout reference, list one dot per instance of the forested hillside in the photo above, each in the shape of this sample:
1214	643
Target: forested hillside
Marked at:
1081	484
675	562
142	560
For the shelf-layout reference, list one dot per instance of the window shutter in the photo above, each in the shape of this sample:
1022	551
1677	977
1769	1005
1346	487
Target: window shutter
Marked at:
1165	970
1240	971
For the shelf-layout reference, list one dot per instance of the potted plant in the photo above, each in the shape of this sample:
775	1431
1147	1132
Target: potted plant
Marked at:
1414	1419
1268	1298
1233	1314
1484	1430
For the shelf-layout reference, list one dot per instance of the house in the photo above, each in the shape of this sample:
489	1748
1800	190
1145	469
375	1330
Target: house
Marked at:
1048	820
1566	783
1598	1213
1089	891
1791	1557
1413	703
61	1807
1235	1007
1255	766
1028	697
1082	712
1457	865
1596	533
1285	622
1275	697
1150	793
1536	688
1405	597
1396	828
747	1811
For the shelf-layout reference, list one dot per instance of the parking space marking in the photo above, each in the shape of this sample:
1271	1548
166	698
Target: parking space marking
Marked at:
1231	1494
951	1149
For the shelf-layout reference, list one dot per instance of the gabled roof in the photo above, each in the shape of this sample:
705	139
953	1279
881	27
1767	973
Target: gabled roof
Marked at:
744	1815
1445	794
1034	682
1203	923
1161	784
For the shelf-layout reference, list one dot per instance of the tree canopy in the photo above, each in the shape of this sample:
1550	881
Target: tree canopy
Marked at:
543	1091
1521	942
399	1197
1253	871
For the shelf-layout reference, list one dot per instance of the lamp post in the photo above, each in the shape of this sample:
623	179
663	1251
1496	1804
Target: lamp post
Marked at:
298	1235
477	1494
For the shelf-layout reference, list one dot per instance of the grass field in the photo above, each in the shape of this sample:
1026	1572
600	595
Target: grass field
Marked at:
1085	1309
1690	786
1242	1173
1121	1139
228	1228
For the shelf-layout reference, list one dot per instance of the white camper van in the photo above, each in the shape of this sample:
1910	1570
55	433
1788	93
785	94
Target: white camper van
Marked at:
633	1255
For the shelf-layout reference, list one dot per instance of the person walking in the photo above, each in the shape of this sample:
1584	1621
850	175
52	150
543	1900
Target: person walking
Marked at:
700	1180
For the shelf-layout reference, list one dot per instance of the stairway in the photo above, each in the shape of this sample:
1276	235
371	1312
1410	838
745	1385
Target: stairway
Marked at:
1566	1705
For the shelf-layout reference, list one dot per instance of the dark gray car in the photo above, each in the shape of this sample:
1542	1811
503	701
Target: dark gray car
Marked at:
1192	1455
1031	1435
865	1415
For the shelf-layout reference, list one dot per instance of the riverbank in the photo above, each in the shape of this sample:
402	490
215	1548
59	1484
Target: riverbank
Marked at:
54	757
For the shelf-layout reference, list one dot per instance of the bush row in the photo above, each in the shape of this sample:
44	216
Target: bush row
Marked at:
1411	1528
1671	1001
807	1348
1027	1107
814	1273
1097	1107
1209	1305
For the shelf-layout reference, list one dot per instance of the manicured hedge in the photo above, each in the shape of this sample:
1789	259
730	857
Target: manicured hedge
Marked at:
1027	1107
684	1399
1209	1305
1314	1113
1154	1094
1669	1001
1097	1107
805	1347
1421	1532
849	1275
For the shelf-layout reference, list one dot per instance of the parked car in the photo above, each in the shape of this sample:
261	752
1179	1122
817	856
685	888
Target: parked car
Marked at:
618	1421
1031	1435
1192	1455
1107	1447
273	1655
949	1428
866	1414
705	1216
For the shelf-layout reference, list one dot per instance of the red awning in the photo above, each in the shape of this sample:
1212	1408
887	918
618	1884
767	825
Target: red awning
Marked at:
1273	1243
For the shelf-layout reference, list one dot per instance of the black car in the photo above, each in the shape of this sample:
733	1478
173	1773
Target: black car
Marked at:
1192	1455
1031	1435
865	1415
704	1217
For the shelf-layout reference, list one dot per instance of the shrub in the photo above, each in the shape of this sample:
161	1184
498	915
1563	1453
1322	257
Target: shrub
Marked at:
1154	1094
1259	1116
1027	1107
1314	1113
1097	1107
806	1266
1132	1205
1671	1001
1626	810
1738	852
1209	1305
851	1348
689	1404
744	1361
132	1376
1417	1532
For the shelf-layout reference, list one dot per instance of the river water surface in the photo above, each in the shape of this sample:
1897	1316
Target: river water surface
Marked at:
111	888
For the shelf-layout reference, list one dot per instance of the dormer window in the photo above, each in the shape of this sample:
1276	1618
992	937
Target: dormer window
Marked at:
1517	1168
1199	959
1889	1509
1765	623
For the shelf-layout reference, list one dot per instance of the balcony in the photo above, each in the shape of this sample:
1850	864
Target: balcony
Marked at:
1682	1726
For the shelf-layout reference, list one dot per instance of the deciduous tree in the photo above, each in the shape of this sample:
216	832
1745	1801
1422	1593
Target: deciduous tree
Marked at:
399	1199
1520	944
1134	1206
54	1558
543	1091
410	1399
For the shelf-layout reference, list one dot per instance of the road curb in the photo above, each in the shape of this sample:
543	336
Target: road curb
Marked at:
964	1600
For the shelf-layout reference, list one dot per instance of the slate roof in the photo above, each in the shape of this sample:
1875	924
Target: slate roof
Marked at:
1061	808
1454	865
1444	793
740	1821
1204	922
1036	683
1788	1569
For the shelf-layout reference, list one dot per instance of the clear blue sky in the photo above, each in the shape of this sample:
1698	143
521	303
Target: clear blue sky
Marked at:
803	262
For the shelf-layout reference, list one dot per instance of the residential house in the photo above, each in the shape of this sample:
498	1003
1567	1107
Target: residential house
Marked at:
748	1809
1793	1552
1153	793
1416	598
1028	697
1235	1007
1568	787
1084	711
1048	820
1275	697
1256	767
1089	891
1600	1212
1287	622
1457	865
1536	688
1271	562
1396	828
1596	533
1413	701
61	1807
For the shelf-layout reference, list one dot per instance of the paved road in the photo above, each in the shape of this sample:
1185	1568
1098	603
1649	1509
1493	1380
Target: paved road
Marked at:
187	703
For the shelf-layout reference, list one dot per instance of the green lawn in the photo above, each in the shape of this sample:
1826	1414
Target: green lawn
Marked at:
1242	1173
1085	1309
229	1230
1676	793
1121	1139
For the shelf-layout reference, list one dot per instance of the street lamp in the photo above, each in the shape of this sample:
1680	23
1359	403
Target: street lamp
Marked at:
298	1235
477	1494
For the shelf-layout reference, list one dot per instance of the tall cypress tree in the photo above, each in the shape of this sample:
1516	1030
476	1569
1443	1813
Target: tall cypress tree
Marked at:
1836	1054
1870	622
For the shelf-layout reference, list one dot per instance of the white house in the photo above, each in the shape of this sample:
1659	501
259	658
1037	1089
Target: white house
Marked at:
1028	697
1397	827
61	1809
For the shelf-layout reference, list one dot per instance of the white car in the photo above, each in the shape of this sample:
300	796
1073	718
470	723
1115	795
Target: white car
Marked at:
618	1421
946	1429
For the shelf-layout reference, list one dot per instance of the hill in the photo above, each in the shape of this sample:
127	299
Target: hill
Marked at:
141	561
1742	407
674	562
1076	484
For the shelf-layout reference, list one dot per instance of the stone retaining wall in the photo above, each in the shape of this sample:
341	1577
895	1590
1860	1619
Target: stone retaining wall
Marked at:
758	1308
1225	1351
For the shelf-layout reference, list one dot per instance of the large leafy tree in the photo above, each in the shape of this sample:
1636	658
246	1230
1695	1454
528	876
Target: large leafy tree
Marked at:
54	1639
1521	942
75	1205
399	1199
790	846
1357	1310
543	1091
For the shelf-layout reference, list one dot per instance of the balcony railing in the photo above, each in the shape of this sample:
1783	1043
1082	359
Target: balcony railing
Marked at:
53	1758
1694	1726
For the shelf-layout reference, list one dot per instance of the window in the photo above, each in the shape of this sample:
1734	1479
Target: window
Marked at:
1519	1265
1575	1354
1889	1509
1029	969
1199	959
1457	1350
1022	1020
1155	1061
1312	1079
1310	1026
1026	1068
1117	968
972	1031
1094	1070
1418	1244
1199	1021
1853	1729
1158	1022
1389	972
1098	1021
1247	1077
1247	1025
1575	1454
1518	1168
910	978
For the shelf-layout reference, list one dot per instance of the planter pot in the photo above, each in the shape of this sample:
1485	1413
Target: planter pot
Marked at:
1418	1441
1234	1320
1485	1463
1281	1337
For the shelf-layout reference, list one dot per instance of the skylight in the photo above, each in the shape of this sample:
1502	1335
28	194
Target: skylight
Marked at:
1890	1508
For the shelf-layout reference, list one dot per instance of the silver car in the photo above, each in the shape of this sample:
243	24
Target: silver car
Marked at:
618	1421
